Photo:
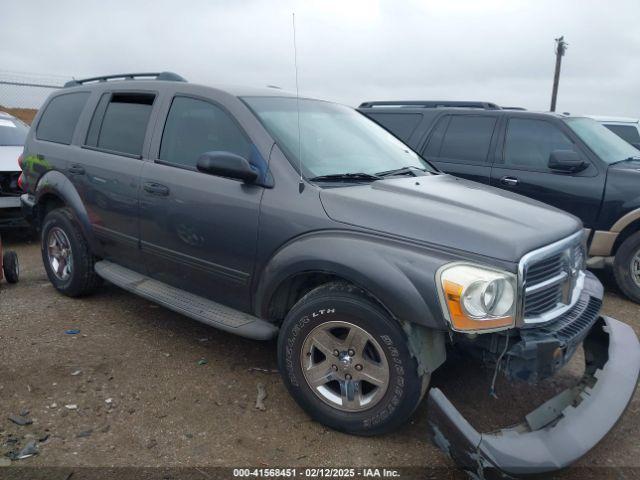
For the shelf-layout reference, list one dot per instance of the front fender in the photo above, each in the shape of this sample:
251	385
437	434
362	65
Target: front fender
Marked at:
55	183
401	275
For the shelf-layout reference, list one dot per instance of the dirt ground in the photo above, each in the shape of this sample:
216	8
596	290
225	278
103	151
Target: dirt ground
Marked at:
142	386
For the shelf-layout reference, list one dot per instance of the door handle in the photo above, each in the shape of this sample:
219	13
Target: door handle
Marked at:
510	181
76	169
156	189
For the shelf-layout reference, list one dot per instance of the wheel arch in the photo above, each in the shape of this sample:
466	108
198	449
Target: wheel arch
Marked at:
398	277
625	233
55	190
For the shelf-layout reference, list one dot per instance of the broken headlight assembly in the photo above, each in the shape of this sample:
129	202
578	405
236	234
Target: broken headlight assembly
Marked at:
476	298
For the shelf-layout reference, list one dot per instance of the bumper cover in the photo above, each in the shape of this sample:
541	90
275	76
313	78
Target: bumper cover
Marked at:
562	429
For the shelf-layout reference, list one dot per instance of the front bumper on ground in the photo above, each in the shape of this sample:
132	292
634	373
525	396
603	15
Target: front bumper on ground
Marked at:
562	429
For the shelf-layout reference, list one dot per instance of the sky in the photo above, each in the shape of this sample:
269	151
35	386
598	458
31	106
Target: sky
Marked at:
349	51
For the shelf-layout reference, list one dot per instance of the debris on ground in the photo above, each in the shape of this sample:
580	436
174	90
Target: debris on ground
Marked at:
24	412
75	373
108	401
263	370
262	395
71	406
203	361
152	443
85	433
20	420
73	331
29	450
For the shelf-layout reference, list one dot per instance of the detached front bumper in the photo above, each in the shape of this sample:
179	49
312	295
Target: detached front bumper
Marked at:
562	429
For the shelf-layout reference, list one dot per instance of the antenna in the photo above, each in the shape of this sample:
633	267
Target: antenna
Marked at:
295	64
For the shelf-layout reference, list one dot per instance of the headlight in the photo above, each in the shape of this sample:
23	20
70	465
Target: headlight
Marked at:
477	298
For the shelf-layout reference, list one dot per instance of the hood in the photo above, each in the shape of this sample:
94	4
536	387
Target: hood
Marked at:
9	158
452	212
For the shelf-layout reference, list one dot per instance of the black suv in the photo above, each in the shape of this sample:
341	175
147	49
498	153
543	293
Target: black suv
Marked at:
270	216
572	163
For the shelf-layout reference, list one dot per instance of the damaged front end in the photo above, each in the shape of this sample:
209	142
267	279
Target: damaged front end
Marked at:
562	429
10	209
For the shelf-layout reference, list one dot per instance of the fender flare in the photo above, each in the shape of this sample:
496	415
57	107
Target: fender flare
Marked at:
400	275
57	184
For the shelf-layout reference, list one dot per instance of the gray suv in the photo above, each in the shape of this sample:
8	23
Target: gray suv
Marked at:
270	216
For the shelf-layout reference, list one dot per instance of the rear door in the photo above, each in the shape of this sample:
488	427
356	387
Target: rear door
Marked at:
199	231
522	167
462	145
107	173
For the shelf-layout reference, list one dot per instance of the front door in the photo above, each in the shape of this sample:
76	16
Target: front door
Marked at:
199	231
523	168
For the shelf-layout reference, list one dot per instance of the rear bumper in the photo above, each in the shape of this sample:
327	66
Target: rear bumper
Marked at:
10	212
562	429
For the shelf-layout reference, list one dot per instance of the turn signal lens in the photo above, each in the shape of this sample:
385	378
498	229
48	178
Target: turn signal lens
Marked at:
477	299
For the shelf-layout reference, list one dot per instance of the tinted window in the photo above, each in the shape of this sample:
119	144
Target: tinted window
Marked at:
432	150
529	143
124	123
468	138
12	132
400	124
60	117
626	132
194	127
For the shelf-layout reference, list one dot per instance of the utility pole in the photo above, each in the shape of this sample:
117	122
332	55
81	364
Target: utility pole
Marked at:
561	48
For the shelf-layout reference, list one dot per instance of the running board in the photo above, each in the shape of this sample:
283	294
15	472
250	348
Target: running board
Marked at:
188	304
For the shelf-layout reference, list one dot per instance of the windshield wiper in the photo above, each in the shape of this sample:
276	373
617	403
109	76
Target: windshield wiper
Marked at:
402	171
345	177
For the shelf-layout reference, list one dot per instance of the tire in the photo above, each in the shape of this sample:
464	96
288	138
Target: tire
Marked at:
80	279
11	267
325	310
626	260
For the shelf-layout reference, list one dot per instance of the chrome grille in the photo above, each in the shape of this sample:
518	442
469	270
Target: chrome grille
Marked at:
552	277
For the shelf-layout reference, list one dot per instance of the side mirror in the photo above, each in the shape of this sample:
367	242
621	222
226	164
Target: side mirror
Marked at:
227	164
566	161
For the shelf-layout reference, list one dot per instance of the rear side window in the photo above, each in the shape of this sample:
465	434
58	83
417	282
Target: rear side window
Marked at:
625	132
529	143
467	139
194	127
401	125
119	123
60	117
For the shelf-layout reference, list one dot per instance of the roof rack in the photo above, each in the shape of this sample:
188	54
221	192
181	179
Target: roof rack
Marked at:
169	76
520	109
432	104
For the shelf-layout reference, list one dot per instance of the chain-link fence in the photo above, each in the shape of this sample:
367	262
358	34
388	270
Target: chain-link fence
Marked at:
21	94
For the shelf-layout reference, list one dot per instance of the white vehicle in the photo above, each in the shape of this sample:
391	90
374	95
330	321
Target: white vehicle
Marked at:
12	135
626	128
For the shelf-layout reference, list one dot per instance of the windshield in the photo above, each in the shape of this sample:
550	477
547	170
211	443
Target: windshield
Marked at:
12	132
334	139
604	143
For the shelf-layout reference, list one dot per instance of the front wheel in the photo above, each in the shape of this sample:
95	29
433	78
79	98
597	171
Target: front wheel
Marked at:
347	363
626	267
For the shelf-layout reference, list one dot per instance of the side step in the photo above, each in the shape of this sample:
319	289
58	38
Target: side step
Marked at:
188	304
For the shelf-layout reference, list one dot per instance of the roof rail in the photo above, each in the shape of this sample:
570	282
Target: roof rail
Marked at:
520	109
432	104
170	76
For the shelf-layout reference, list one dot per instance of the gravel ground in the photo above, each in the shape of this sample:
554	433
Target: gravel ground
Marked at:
142	386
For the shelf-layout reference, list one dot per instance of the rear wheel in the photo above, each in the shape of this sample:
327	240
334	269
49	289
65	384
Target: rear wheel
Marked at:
11	267
347	363
66	255
626	267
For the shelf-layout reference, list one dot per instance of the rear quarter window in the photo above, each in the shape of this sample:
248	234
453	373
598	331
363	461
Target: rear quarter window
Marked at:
60	117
